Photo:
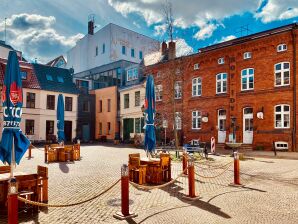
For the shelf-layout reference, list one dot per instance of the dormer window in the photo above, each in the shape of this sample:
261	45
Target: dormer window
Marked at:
196	66
24	75
281	47
49	77
60	79
221	61
247	55
132	74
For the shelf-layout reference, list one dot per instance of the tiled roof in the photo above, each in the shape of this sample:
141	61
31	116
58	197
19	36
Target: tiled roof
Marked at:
31	82
67	86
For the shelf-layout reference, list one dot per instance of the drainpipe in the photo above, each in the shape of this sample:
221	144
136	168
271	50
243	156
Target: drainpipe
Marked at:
295	91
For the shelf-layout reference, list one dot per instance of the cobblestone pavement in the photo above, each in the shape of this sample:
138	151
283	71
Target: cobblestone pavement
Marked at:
270	193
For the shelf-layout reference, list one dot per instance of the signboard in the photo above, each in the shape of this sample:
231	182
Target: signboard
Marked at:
165	124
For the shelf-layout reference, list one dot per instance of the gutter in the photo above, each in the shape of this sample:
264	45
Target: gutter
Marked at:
295	90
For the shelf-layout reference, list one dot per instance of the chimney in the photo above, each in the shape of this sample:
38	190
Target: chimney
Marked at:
164	47
172	50
91	24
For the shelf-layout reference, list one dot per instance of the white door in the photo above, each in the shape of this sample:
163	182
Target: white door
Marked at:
222	117
247	125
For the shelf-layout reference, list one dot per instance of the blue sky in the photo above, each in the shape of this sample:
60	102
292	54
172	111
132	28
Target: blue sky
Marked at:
44	29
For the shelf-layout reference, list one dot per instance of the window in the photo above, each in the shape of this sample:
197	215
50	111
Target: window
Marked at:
51	102
109	128
196	66
158	92
221	61
126	101
178	90
24	74
247	55
123	50
68	103
282	74
100	106
281	47
196	87
178	121
50	127
282	116
221	83
109	105
138	127
29	127
132	74
196	120
140	55
49	77
100	128
158	74
30	101
86	107
96	51
103	48
137	98
247	79
132	53
60	79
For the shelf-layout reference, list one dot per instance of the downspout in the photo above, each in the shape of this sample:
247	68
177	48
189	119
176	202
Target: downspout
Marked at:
295	91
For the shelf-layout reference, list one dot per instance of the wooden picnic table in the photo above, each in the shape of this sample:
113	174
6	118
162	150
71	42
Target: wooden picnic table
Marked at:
62	153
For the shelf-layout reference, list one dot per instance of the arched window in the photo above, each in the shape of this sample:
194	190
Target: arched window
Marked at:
221	83
282	74
247	79
282	116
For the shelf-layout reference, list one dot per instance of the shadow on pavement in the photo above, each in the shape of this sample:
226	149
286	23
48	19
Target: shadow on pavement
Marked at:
63	167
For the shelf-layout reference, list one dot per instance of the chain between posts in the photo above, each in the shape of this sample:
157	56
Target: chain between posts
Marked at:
211	177
66	205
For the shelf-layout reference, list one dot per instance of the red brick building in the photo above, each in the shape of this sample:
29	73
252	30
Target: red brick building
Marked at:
252	79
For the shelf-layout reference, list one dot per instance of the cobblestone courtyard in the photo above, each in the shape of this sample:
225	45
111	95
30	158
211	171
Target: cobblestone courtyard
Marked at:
270	194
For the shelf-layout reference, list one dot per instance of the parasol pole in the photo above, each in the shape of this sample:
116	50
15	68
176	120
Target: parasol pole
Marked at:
13	160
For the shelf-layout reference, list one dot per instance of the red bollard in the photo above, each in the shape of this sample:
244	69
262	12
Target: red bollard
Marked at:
12	201
124	214
236	171
184	163
191	181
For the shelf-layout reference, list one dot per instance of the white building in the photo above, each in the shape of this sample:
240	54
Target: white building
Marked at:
110	44
41	87
5	48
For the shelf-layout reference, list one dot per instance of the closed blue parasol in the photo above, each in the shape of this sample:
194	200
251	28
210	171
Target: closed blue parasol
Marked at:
60	119
12	98
150	139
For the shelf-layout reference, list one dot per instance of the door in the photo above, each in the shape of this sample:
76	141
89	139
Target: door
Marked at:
128	124
68	131
50	131
86	132
247	125
222	117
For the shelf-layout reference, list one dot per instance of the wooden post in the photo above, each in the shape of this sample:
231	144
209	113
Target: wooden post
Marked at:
184	163
191	179
30	152
46	147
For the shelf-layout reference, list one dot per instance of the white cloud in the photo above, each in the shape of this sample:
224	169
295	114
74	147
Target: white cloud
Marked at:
205	32
160	30
182	48
278	10
33	34
226	38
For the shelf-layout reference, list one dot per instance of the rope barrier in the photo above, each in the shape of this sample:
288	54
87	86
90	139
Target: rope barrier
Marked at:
211	177
66	205
37	148
158	186
215	167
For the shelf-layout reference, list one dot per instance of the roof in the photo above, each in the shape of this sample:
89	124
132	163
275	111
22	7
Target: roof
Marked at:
67	86
31	82
3	44
54	61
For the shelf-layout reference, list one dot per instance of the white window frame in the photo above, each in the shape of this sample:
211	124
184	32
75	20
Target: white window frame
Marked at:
221	82
247	77
282	113
132	74
282	72
247	55
196	85
158	93
197	123
221	61
178	90
178	120
283	47
196	66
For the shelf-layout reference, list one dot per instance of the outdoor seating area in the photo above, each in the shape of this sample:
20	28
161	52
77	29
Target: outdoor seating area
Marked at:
62	153
30	186
143	170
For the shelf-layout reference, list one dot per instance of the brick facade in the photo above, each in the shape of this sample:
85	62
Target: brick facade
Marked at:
262	98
